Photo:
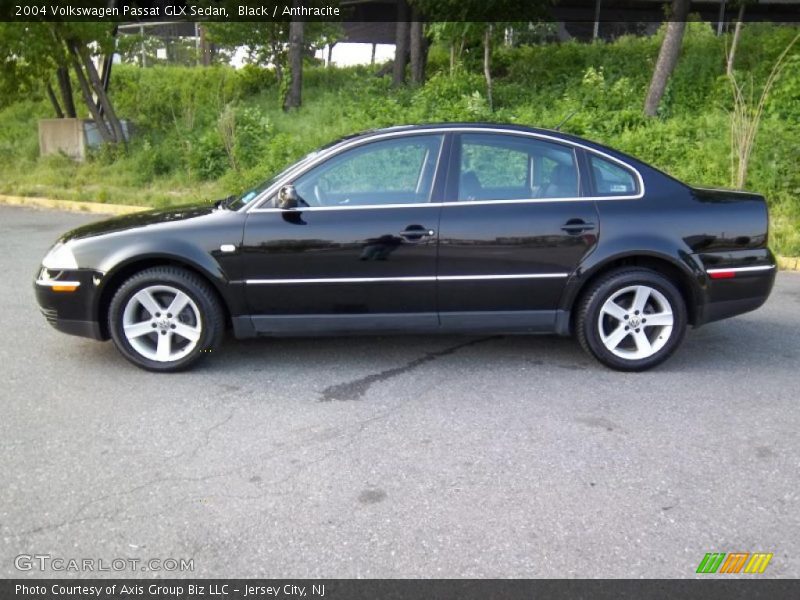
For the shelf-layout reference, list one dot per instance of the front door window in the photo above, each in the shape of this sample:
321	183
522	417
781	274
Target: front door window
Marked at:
397	171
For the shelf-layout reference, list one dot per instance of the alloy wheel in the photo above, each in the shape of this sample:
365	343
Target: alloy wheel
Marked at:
162	323
635	322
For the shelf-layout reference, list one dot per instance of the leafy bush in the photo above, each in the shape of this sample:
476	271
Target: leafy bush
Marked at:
209	132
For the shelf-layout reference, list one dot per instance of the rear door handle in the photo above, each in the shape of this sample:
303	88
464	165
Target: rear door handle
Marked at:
577	226
416	232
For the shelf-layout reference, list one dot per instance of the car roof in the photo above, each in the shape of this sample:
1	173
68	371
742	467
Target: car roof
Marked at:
456	125
480	125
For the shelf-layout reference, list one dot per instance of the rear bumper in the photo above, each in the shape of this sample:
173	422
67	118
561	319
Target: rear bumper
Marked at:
70	312
733	287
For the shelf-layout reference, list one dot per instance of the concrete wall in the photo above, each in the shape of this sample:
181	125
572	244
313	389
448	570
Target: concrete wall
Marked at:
62	135
72	137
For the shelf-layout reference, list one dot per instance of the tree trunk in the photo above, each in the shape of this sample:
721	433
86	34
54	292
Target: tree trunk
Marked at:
417	51
452	58
83	84
596	29
294	97
561	32
54	101
400	44
667	56
105	74
487	64
65	86
142	55
736	33
100	91
329	62
205	51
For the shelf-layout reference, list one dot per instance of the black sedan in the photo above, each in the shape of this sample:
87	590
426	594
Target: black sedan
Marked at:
434	228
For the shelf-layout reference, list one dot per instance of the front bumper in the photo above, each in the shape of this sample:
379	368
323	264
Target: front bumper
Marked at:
68	301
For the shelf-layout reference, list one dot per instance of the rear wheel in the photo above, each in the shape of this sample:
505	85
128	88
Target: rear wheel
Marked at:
631	320
165	319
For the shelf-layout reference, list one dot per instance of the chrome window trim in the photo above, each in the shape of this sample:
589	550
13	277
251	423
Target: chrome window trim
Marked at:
357	207
445	204
428	278
255	205
741	269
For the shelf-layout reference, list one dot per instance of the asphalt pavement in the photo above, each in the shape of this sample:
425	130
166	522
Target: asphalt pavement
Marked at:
493	456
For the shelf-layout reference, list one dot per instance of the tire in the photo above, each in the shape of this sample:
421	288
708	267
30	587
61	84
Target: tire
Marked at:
632	319
146	331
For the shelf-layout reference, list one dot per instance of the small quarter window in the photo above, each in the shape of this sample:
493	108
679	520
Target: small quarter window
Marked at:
610	178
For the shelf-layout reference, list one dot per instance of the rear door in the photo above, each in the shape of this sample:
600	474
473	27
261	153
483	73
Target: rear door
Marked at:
513	228
361	253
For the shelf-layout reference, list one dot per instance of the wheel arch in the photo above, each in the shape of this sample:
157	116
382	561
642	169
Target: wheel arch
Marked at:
683	274
114	278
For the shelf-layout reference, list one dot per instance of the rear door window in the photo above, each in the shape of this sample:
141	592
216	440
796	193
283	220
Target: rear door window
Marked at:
512	167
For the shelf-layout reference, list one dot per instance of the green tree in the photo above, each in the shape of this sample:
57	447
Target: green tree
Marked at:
667	56
268	43
37	52
483	14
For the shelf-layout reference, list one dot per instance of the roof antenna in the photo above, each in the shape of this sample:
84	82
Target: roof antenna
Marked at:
565	119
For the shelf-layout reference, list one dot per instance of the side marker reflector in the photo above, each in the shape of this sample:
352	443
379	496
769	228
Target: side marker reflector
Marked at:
722	274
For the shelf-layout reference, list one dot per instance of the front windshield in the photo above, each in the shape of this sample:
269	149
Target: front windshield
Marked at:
248	196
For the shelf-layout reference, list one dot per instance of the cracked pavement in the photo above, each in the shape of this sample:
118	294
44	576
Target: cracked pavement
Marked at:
396	456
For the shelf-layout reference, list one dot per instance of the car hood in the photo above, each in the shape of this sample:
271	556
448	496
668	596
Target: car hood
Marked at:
140	220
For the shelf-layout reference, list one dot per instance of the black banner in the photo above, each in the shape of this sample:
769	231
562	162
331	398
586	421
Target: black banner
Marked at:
396	589
640	11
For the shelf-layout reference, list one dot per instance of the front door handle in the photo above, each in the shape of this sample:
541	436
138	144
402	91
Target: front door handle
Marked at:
416	233
577	226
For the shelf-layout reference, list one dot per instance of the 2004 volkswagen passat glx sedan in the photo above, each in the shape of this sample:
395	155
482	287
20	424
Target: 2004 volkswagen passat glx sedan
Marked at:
435	228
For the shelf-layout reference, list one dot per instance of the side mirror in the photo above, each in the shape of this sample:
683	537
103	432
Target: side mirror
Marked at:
287	197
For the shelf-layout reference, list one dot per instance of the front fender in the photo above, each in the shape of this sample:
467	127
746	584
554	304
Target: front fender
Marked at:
174	250
124	258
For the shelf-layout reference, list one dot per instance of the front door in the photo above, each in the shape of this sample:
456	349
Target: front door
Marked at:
514	230
360	253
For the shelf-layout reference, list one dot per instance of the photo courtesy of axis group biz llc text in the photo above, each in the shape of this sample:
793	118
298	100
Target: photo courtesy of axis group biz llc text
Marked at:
399	299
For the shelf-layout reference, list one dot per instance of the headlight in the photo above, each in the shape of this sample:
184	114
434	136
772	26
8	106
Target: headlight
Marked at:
60	257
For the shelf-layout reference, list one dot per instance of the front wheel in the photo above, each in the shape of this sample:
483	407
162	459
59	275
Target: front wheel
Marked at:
631	320
165	319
